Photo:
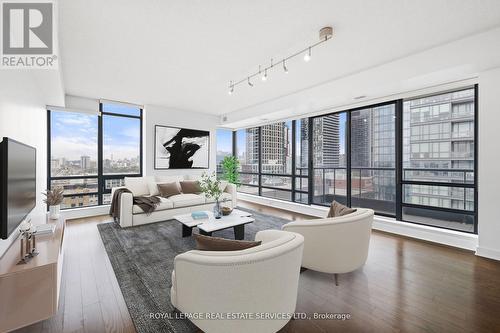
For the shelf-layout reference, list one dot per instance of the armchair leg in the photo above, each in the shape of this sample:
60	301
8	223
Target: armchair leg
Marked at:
336	279
303	269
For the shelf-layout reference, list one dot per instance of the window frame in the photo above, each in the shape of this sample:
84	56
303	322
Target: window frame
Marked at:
101	177
398	168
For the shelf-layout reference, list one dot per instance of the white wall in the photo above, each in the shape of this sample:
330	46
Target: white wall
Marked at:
23	117
488	164
157	115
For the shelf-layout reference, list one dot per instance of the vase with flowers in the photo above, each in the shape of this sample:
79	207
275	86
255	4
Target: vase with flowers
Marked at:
211	186
53	198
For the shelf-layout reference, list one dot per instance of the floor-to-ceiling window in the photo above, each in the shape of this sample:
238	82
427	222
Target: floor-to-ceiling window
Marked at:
89	154
373	158
411	159
301	160
247	149
224	140
329	162
439	160
276	160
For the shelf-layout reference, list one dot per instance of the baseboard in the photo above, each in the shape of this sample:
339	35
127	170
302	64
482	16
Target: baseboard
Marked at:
431	234
78	213
488	253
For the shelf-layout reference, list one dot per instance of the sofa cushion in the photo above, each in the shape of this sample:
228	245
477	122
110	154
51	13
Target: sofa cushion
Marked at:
169	189
153	188
190	186
137	185
169	179
338	209
185	200
164	204
208	243
225	196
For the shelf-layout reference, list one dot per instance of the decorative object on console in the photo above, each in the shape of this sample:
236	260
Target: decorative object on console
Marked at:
181	148
230	166
28	242
53	198
212	188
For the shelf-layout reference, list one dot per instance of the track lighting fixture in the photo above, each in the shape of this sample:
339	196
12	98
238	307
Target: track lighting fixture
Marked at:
307	56
325	34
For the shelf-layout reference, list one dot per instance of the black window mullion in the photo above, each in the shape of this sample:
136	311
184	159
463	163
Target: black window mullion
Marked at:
399	159
476	136
348	159
259	154
294	149
100	182
310	165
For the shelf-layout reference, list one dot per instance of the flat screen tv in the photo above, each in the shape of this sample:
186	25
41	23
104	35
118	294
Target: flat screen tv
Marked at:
17	184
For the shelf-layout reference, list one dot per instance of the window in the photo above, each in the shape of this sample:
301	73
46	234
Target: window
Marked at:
438	170
329	158
224	147
411	159
373	158
85	169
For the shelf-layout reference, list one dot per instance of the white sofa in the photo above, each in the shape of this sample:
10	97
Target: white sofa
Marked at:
335	245
263	279
132	215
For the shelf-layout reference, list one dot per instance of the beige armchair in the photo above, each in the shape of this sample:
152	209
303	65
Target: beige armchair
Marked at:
257	281
335	245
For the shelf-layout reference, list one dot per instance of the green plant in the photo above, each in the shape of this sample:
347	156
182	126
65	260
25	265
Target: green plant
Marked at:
54	196
230	165
210	185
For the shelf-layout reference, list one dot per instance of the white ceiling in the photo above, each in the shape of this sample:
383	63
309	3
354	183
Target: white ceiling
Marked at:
182	54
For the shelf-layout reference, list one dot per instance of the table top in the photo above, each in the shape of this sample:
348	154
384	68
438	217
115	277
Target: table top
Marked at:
210	224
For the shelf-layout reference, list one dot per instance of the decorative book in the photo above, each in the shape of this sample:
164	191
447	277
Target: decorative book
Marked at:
199	215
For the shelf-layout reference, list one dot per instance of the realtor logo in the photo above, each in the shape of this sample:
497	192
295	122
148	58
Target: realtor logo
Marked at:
28	35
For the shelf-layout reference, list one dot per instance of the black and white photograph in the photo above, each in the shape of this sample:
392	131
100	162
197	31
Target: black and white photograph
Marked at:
181	148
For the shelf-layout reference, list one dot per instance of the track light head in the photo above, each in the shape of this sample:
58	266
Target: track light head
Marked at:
231	88
285	69
249	83
307	56
264	77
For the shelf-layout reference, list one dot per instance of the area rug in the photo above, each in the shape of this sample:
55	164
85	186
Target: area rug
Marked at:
142	258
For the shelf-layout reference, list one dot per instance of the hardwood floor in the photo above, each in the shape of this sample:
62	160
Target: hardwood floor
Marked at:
405	286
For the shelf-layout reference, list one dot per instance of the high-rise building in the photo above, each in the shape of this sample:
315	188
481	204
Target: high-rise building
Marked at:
326	142
85	162
439	134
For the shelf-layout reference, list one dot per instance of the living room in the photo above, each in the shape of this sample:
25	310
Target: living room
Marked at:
286	166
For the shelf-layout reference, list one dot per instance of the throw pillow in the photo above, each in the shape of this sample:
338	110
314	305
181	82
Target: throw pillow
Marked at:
169	189
207	243
190	186
153	189
338	209
137	185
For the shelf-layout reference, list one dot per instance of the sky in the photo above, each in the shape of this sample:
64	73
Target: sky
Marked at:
75	134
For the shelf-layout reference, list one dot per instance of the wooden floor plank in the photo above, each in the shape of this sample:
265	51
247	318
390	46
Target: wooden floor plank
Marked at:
406	286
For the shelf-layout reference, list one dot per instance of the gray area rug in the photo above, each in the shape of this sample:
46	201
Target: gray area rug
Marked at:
142	258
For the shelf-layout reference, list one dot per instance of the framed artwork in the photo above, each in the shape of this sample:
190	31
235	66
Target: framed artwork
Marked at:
181	148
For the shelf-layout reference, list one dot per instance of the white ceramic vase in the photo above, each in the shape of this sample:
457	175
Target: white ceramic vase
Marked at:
54	212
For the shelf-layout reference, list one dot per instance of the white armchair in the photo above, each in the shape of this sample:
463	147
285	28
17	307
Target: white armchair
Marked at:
263	279
335	245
